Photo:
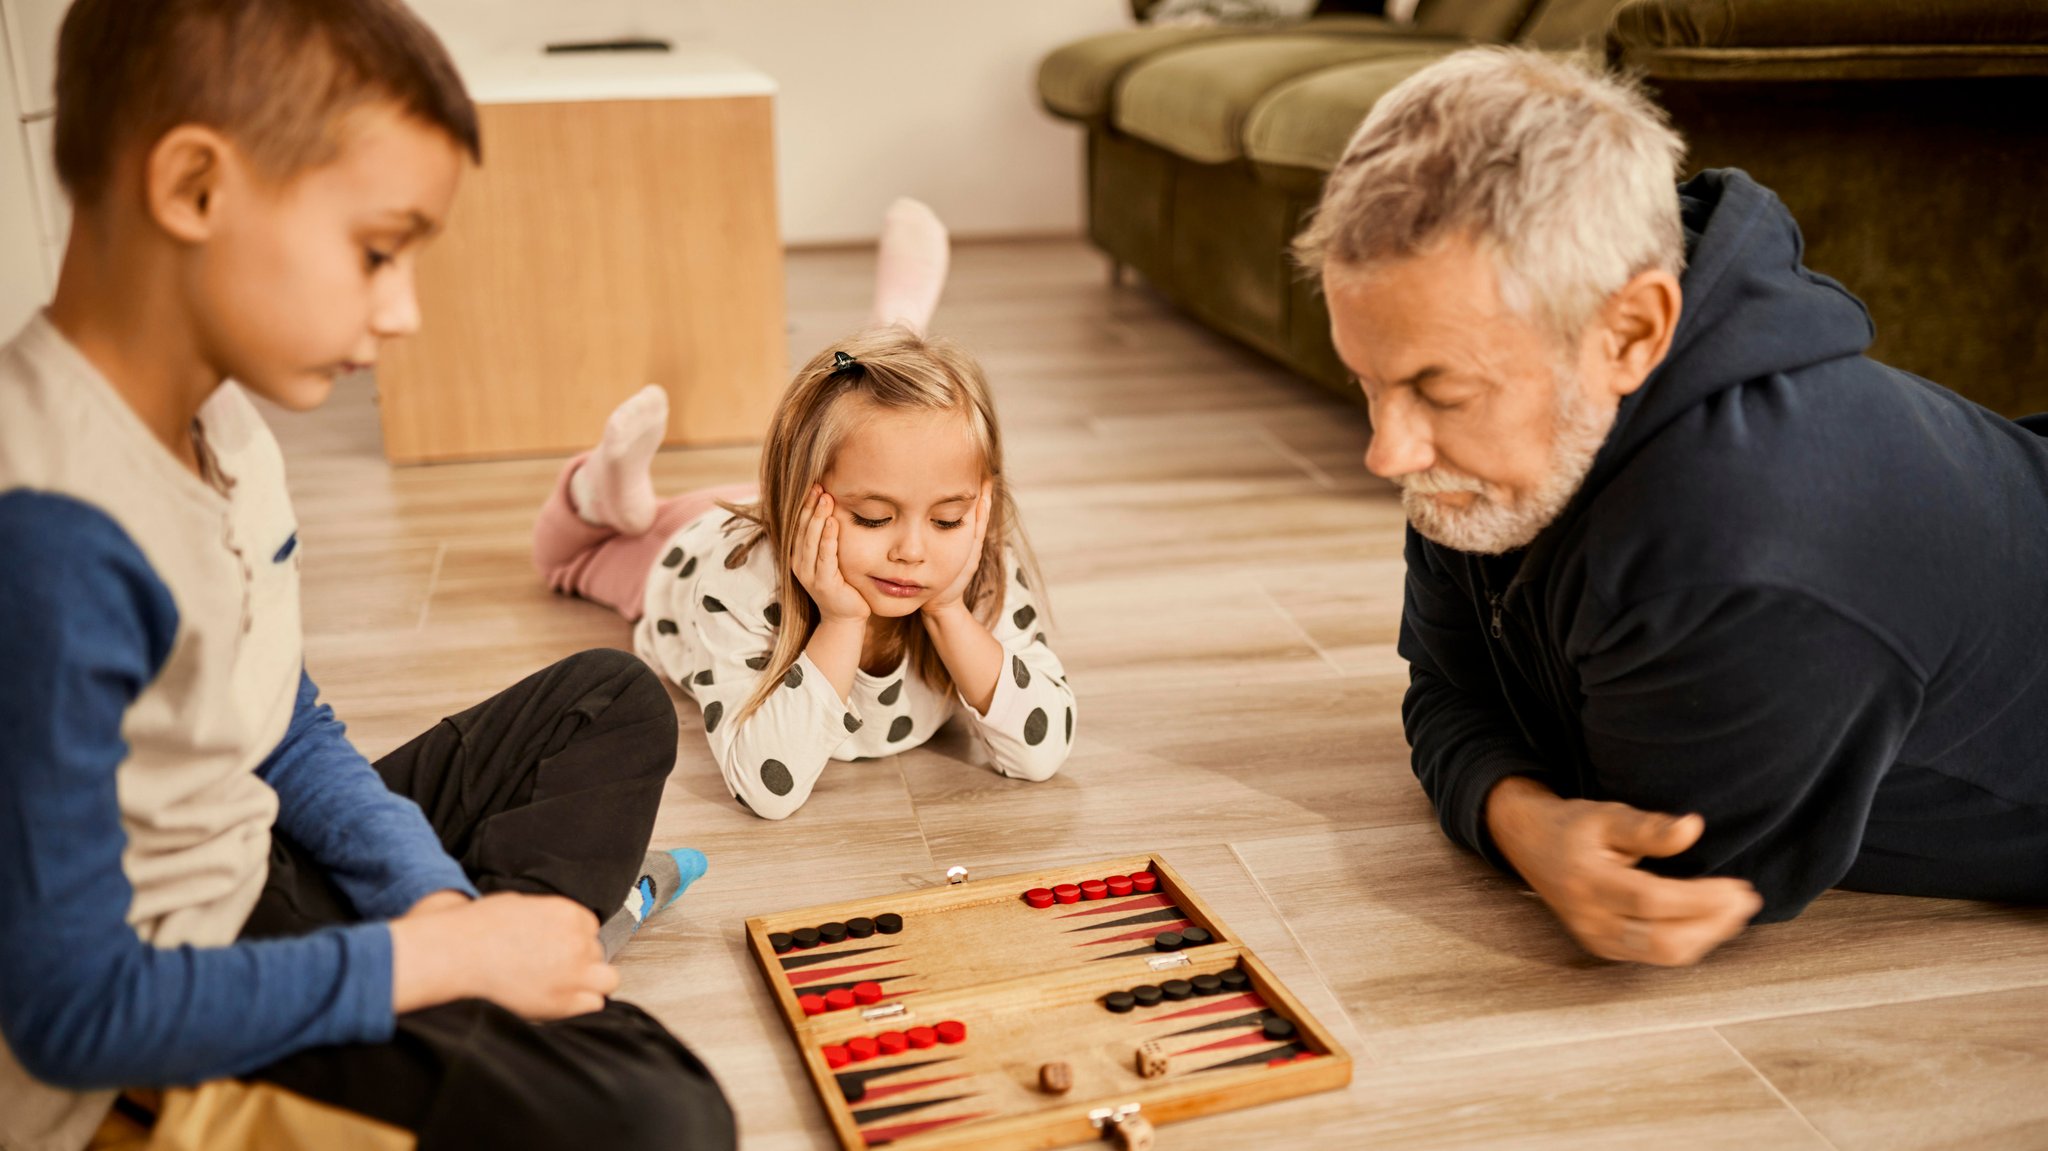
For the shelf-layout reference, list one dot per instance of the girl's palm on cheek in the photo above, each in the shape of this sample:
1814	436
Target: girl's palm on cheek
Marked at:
956	591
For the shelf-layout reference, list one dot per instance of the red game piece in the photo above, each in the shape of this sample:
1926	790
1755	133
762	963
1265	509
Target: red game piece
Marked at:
952	1031
836	1055
893	1042
1093	889
1118	884
1143	881
838	999
812	1004
868	992
921	1037
863	1048
1039	897
1067	893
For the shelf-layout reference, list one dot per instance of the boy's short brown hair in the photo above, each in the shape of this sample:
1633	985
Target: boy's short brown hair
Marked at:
276	76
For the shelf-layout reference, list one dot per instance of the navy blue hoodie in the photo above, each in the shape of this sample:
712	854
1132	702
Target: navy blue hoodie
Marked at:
1800	593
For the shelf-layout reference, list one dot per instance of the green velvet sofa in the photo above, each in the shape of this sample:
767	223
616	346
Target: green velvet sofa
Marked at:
1900	133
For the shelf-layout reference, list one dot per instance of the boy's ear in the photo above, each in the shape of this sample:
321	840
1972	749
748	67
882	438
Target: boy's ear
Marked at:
182	178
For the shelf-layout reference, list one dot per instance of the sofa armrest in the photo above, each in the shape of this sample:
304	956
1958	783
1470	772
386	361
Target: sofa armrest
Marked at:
1830	39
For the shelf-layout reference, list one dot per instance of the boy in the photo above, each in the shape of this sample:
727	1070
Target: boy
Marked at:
201	882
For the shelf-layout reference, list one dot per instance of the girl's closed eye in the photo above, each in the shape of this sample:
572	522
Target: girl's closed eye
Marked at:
947	525
865	522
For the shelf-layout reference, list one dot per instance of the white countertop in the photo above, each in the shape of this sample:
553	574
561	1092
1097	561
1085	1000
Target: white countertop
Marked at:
526	74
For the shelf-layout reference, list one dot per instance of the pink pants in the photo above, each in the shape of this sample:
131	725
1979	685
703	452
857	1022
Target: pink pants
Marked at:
599	564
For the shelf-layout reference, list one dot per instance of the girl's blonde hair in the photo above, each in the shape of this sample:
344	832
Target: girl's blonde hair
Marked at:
895	369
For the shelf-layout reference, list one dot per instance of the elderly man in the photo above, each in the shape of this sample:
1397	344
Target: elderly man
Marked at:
1706	612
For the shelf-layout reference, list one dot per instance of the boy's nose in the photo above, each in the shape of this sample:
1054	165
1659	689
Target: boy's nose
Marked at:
397	309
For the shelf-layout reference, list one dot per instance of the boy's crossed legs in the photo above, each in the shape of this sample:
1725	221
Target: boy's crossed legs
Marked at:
550	787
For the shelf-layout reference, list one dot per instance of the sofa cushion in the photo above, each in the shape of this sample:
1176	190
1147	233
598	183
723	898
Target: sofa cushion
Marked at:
1305	122
1828	23
1562	25
1490	20
1194	101
1076	79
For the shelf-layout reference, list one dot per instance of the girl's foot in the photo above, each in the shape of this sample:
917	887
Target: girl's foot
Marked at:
663	876
614	489
911	269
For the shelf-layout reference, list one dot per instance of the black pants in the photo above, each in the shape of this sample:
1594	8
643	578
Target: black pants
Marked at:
547	788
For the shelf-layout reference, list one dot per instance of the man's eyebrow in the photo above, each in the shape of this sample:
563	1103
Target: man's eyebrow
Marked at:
1422	377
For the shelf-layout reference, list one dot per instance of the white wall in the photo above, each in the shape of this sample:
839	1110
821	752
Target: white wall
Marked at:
930	98
32	216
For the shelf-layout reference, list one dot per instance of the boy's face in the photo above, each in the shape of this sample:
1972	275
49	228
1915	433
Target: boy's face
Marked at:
299	282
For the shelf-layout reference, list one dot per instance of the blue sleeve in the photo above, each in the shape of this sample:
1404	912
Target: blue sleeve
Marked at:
374	843
85	626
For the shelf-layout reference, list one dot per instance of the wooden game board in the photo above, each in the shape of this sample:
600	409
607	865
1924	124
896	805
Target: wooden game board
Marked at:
1029	985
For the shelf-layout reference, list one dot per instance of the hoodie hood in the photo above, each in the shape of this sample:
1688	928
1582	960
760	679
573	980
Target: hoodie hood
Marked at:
1750	310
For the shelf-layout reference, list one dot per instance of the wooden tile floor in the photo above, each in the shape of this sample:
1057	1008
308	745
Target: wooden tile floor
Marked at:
1226	581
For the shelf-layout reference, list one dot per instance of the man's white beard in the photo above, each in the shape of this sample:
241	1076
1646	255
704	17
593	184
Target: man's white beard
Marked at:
1491	525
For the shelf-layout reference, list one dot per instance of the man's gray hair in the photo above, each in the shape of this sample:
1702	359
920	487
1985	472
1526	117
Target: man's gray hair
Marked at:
1564	174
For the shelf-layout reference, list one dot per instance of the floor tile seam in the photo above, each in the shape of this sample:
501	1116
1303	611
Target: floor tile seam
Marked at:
433	582
1266	594
1370	1054
1773	1088
1314	471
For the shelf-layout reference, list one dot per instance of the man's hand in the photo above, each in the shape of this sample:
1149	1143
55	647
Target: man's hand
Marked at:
536	955
443	900
1580	856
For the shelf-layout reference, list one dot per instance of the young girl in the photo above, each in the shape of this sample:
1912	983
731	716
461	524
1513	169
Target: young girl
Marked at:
877	579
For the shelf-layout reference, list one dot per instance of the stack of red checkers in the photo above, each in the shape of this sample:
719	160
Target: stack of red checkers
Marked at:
922	1037
1143	881
836	1055
868	992
893	1042
812	1004
838	999
1040	897
1093	889
1067	893
952	1031
863	1048
1118	884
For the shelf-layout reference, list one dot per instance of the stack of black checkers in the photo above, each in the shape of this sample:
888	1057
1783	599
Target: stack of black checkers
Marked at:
860	927
1176	940
1175	990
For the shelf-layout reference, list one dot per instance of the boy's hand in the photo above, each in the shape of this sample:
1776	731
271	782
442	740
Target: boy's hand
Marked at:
536	955
444	900
950	596
816	562
1580	857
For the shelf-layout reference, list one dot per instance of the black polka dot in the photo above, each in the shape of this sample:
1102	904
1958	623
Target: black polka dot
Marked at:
1018	669
1023	616
1034	726
1070	725
689	569
674	557
795	678
743	802
666	626
1039	638
704	677
757	662
773	614
890	693
712	604
776	778
713	712
1021	582
852	724
900	728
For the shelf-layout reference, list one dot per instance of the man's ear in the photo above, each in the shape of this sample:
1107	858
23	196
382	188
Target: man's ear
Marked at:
182	179
1636	326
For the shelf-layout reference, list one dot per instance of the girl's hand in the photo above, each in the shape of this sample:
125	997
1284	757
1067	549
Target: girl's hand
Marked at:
950	596
816	562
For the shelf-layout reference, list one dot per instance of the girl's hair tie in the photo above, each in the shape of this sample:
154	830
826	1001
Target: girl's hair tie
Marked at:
841	361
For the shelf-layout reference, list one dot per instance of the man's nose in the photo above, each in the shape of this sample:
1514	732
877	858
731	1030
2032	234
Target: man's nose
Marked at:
1400	443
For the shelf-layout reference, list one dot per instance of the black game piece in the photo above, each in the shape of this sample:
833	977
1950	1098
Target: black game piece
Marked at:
1235	980
1194	937
888	923
1119	1001
1207	985
832	932
780	941
805	937
860	927
1177	989
854	1087
1148	995
1167	941
1279	1030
